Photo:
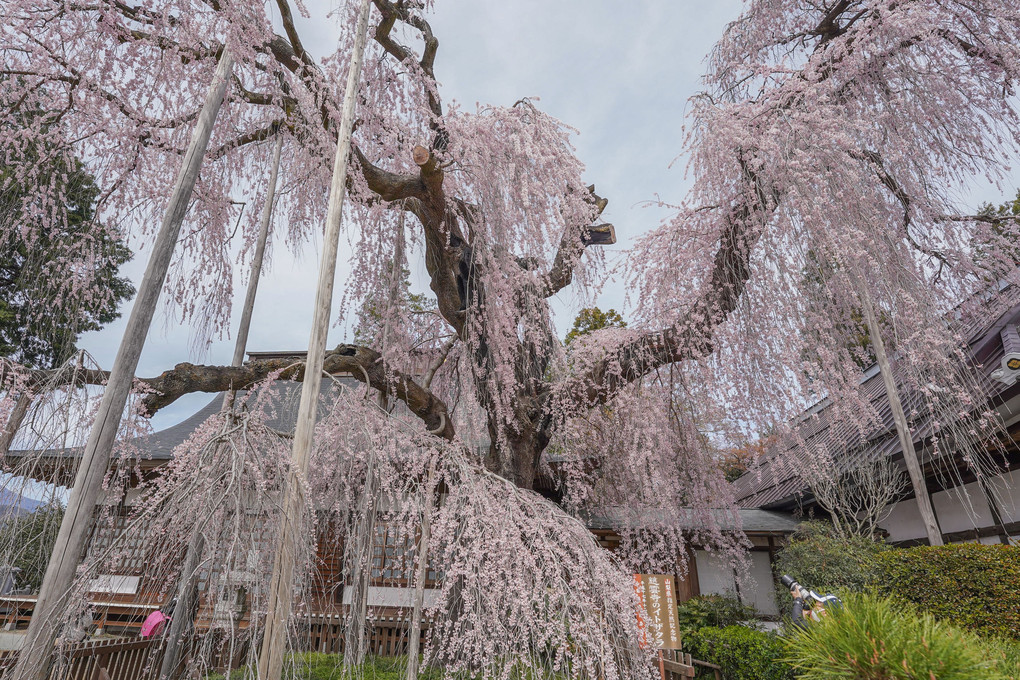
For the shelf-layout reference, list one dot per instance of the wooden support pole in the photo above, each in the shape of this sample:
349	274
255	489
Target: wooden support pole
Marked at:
35	656
361	544
910	457
14	422
182	622
421	573
241	343
281	588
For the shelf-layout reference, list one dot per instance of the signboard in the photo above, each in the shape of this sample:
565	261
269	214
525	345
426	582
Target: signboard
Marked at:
657	613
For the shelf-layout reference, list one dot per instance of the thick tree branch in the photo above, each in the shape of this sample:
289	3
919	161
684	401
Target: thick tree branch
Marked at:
389	185
362	363
573	243
291	30
257	135
691	338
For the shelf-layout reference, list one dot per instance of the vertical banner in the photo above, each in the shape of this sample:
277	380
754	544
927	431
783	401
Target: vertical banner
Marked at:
657	615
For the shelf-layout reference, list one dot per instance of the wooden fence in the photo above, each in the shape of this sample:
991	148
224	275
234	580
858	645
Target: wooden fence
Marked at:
139	659
385	638
119	658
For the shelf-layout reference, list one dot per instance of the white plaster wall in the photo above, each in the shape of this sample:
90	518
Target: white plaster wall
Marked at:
1007	492
958	512
760	593
715	575
386	596
961	509
904	521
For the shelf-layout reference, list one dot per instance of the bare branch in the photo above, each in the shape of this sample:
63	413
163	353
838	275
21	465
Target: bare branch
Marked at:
391	13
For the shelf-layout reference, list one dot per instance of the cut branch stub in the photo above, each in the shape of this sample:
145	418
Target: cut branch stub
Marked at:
420	155
599	235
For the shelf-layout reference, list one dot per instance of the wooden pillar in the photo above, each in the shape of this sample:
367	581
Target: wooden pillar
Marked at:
421	574
281	589
910	457
34	660
17	417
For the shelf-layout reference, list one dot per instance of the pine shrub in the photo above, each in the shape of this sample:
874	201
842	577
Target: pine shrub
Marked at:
876	638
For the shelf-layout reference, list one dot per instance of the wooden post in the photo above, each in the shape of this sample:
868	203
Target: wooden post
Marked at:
187	591
421	573
281	593
34	660
241	343
910	457
17	417
362	543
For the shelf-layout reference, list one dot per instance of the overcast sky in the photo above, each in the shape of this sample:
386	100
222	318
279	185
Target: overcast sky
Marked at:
620	72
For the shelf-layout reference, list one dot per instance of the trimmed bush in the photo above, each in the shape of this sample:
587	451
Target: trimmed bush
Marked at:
818	559
743	653
973	586
876	638
716	611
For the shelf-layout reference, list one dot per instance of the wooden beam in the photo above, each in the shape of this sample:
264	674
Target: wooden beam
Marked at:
36	652
281	590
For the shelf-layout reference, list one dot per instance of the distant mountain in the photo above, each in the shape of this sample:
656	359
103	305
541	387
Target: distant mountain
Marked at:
14	504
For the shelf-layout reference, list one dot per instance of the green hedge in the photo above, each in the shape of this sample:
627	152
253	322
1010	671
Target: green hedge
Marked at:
743	653
715	611
974	586
820	559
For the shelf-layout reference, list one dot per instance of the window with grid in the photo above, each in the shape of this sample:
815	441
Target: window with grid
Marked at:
128	550
393	558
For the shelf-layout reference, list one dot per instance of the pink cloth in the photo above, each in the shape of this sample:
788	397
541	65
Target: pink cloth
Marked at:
153	623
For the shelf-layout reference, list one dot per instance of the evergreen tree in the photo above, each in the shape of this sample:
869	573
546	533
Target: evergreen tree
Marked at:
40	317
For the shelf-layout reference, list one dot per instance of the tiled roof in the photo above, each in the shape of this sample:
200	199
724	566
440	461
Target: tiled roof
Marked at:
775	482
749	520
159	445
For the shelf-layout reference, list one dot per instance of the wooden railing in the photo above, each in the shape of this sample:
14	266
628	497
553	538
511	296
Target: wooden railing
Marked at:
116	659
121	617
385	638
